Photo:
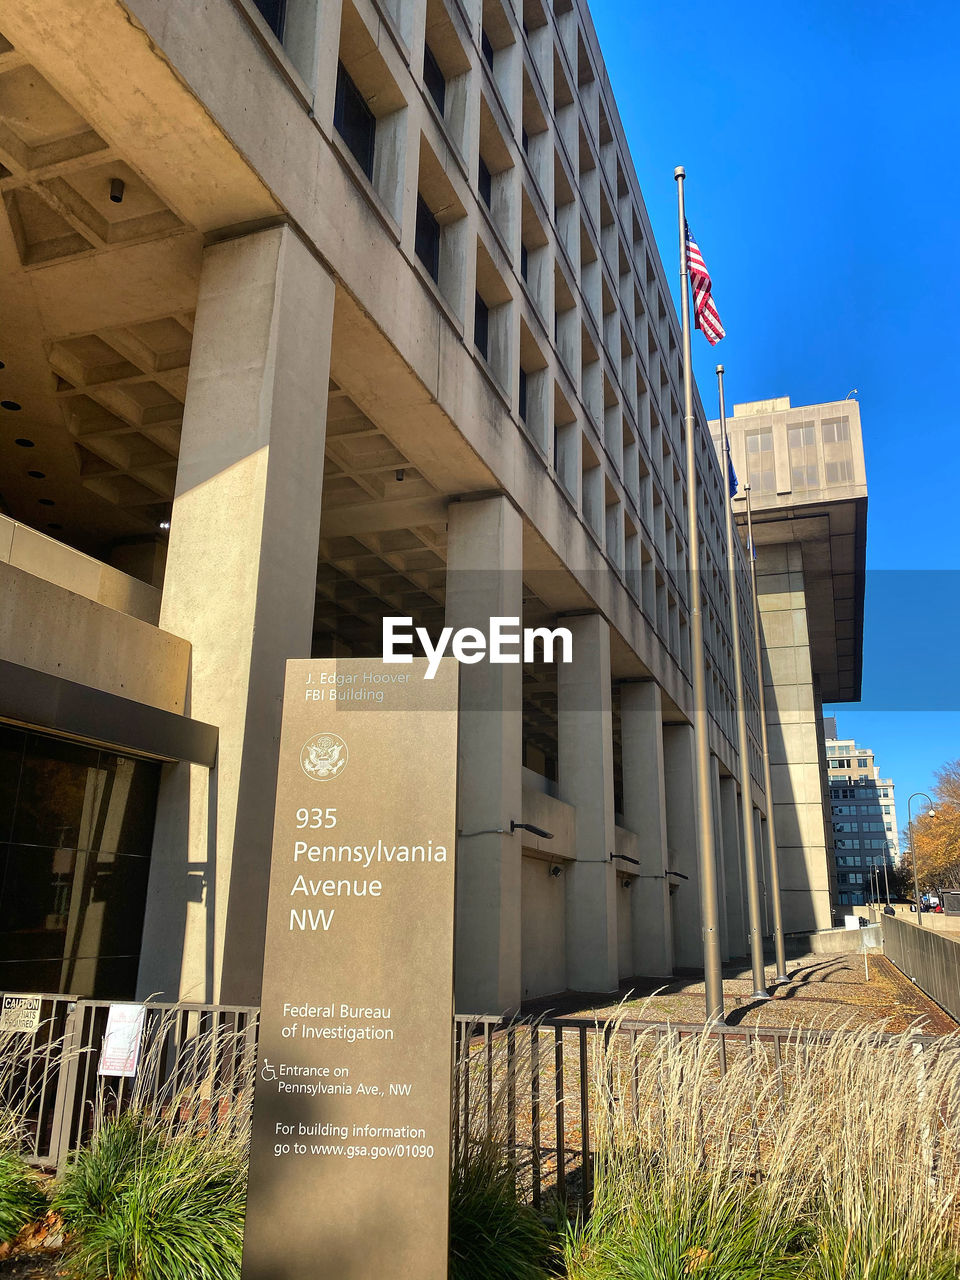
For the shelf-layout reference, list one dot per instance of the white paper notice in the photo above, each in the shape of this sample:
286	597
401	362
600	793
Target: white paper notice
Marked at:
121	1040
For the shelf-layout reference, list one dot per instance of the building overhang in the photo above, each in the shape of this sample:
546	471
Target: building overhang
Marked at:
832	536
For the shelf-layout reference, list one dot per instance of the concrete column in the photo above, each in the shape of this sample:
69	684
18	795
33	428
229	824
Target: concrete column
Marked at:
679	762
718	847
733	866
240	586
795	732
484	580
645	813
585	766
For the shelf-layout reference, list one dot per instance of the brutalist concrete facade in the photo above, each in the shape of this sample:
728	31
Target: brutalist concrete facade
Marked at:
325	312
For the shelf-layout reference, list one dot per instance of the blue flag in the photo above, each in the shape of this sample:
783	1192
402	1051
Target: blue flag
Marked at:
732	477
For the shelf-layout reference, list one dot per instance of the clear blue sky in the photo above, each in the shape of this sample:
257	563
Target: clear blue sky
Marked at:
821	146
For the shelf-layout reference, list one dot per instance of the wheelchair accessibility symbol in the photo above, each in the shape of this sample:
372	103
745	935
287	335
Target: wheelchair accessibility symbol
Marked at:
267	1072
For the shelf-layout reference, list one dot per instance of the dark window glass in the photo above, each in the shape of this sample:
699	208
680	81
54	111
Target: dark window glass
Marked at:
485	184
524	140
481	326
274	12
427	239
556	450
433	79
523	260
523	395
486	48
354	121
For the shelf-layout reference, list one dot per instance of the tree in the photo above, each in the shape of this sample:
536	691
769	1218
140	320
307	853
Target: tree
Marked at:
936	838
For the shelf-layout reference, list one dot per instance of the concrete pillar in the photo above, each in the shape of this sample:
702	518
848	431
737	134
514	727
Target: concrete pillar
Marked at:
585	766
240	586
795	731
718	848
644	812
733	866
484	580
679	763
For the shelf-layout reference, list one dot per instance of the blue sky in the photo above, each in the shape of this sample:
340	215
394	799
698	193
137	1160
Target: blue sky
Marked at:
821	147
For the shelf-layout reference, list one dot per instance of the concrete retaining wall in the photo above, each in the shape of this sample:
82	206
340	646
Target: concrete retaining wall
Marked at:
931	960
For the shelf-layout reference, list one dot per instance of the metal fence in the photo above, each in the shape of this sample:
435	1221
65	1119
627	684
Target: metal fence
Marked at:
51	1077
536	1086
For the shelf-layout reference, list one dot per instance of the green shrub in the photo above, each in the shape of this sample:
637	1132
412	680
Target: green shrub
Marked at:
144	1204
21	1198
650	1228
492	1235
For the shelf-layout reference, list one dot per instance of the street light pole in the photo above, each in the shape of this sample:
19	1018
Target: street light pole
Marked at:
913	850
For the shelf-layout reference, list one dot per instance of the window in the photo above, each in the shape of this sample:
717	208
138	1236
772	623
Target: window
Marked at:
525	141
840	472
523	395
834	430
524	261
805	476
486	48
862	763
481	326
485	183
274	13
760	466
800	437
354	121
433	79
427	239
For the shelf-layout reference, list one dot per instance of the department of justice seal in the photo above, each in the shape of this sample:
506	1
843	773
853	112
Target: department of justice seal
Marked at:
324	757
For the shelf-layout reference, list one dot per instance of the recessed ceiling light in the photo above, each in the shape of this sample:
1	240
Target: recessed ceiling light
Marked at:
46	502
23	443
37	475
11	405
163	524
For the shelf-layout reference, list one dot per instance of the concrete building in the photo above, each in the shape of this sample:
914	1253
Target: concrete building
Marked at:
316	313
863	811
805	467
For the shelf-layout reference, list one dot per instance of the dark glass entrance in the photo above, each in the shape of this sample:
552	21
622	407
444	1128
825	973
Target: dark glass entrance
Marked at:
76	825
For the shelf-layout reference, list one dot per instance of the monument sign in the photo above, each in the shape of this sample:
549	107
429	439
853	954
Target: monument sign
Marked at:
349	1161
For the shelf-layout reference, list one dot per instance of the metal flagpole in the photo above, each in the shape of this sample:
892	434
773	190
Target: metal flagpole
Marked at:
760	991
780	952
709	906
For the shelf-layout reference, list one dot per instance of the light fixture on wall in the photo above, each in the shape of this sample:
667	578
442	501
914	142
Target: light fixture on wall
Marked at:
399	474
556	872
117	188
626	882
528	826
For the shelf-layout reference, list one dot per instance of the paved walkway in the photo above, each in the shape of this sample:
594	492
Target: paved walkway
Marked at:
823	991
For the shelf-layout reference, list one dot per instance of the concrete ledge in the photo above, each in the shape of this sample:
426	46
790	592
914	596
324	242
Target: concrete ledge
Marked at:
929	959
55	562
835	942
64	633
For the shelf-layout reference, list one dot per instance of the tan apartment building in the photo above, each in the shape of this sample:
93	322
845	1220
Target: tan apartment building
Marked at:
863	815
315	314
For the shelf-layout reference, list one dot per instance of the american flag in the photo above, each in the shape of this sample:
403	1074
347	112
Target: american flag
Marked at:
704	307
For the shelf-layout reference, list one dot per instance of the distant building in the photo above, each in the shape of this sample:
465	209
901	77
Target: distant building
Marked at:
864	819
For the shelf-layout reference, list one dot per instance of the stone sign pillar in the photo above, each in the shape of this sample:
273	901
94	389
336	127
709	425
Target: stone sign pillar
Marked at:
350	1152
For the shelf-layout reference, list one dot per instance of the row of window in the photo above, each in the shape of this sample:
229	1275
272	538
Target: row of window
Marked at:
357	126
850	793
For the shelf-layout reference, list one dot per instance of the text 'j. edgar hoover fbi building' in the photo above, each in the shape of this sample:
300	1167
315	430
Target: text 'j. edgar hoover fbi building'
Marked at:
321	312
